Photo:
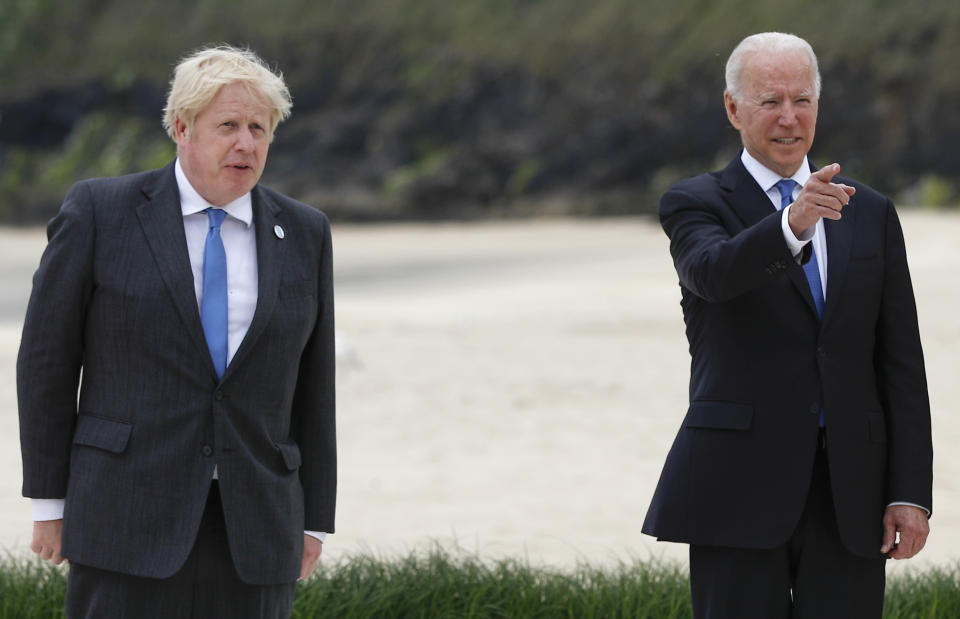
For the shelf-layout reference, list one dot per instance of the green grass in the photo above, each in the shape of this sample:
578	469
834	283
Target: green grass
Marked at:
439	584
31	589
929	594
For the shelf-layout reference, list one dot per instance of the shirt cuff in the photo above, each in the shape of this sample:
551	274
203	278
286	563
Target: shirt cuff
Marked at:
911	505
317	534
47	509
794	244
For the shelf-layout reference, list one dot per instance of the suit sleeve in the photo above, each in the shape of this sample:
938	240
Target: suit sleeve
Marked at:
314	406
51	348
902	378
716	258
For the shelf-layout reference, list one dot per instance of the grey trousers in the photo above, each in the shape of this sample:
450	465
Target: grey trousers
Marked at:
207	586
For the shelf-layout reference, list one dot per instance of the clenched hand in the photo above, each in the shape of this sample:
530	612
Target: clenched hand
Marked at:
47	535
312	547
913	526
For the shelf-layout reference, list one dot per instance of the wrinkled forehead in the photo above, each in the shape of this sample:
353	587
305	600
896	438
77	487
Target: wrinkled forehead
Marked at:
765	71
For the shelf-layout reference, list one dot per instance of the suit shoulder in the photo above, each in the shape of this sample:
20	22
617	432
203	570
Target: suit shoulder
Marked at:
107	197
704	188
867	198
702	184
295	208
118	184
864	191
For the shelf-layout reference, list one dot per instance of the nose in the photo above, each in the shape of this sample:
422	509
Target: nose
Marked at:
244	141
788	114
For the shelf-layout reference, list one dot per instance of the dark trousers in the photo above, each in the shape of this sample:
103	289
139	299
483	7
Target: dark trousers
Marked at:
207	586
812	576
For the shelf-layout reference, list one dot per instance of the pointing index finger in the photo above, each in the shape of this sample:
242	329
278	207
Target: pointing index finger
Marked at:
826	173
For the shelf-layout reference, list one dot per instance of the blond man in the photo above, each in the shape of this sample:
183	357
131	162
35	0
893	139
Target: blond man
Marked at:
192	310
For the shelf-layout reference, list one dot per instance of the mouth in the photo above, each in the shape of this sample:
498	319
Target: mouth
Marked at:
239	166
786	141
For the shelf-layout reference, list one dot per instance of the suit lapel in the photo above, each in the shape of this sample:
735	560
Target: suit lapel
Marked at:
271	251
751	204
839	246
744	196
162	222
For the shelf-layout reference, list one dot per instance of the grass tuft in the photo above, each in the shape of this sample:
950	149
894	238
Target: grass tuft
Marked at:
31	589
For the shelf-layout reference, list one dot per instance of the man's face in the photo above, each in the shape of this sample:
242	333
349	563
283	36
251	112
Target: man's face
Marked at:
777	113
224	153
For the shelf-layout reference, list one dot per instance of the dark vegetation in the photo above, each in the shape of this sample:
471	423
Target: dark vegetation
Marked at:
428	109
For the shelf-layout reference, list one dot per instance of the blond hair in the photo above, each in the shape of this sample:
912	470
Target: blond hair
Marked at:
200	76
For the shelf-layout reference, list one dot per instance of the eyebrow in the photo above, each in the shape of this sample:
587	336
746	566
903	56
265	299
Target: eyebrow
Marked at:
771	95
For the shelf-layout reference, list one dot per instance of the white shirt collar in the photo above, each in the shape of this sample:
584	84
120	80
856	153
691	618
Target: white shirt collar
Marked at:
766	177
192	202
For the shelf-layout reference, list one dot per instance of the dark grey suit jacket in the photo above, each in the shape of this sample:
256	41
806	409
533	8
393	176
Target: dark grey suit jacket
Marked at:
113	301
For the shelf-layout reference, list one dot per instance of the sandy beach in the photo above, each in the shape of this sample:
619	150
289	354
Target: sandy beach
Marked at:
513	387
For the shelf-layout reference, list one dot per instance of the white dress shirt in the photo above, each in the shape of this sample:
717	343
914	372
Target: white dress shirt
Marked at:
240	245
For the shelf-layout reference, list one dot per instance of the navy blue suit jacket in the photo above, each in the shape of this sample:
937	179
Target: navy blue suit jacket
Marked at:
763	364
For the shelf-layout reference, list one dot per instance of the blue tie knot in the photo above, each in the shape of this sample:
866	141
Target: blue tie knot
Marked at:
785	187
216	216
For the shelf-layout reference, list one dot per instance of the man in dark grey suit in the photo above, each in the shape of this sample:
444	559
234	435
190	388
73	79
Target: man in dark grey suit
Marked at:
195	475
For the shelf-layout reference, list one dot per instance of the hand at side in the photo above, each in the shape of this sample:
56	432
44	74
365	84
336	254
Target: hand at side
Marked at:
312	547
47	536
913	526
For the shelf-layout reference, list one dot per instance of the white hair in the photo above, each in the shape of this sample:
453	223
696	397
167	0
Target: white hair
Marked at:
767	43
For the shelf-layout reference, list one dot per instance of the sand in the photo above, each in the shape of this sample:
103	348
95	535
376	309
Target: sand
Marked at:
512	388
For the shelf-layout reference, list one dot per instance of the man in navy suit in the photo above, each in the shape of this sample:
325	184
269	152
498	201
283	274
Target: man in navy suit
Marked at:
195	475
804	459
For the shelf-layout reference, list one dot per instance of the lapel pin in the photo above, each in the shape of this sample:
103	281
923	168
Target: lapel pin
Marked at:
279	231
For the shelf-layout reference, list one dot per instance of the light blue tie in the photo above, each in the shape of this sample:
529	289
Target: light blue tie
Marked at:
811	269
213	310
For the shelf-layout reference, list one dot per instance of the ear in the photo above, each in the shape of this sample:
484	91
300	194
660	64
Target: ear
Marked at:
732	109
180	130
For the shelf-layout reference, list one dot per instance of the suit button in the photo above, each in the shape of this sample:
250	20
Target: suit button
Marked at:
207	450
218	395
815	409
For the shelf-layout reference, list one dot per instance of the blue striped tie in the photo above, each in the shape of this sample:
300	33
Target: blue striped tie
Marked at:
213	309
811	269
